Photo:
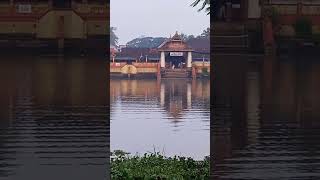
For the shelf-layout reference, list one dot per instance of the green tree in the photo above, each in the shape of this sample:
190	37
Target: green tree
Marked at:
184	37
206	33
113	37
205	5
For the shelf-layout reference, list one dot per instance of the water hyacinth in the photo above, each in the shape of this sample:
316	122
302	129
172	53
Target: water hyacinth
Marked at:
155	166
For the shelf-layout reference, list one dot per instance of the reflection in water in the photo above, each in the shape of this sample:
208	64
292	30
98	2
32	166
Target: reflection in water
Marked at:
171	116
53	119
279	138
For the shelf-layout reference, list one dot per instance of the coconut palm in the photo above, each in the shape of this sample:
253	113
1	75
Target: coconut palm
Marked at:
205	5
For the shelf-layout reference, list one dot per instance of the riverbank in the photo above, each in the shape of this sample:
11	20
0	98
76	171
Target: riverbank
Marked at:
157	166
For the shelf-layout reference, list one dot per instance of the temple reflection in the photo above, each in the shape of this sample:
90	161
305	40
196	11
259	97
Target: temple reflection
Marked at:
49	82
175	96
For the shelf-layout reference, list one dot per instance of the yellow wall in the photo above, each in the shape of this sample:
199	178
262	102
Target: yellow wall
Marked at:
73	25
96	27
24	27
147	70
17	27
47	26
5	27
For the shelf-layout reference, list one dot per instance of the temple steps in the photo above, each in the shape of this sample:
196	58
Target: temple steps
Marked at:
175	73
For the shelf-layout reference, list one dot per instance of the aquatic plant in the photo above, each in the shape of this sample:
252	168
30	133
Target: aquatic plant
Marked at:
154	166
205	71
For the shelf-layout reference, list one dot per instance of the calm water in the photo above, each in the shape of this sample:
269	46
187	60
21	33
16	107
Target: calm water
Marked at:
277	136
53	118
167	116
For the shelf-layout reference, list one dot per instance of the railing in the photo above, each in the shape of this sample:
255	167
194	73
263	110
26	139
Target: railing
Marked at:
36	9
145	64
117	64
310	9
92	9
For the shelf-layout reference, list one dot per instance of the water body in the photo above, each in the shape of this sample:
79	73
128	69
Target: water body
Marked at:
167	116
53	118
272	132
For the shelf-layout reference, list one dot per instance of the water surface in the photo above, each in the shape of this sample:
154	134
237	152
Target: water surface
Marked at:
171	116
53	118
272	131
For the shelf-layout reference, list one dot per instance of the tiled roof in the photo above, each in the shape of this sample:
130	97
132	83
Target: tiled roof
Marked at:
175	44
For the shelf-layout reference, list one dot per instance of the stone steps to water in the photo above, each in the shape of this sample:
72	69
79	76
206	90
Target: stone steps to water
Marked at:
175	73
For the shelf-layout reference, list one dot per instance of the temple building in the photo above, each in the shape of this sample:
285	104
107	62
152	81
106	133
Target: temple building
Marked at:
54	23
174	58
173	52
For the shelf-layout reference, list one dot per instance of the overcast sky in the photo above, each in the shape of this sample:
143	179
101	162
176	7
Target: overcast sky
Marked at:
160	18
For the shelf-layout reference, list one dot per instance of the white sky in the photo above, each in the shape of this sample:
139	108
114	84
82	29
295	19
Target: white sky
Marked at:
159	18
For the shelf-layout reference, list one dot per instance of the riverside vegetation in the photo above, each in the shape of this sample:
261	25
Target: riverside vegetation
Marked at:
154	166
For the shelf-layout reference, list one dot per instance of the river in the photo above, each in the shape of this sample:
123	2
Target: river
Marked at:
170	116
272	130
53	118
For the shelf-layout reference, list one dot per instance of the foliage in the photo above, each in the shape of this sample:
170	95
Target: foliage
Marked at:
206	33
113	37
303	27
205	5
146	42
153	42
205	71
155	166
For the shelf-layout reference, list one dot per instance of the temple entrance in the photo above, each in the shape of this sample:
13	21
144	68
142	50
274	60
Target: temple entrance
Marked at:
175	62
175	58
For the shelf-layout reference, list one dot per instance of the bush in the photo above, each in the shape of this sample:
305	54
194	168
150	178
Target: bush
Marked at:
154	166
303	28
205	71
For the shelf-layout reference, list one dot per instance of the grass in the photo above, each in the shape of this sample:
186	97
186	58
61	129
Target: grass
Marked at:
154	166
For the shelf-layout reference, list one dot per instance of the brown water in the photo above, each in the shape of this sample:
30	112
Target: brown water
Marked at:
168	116
273	130
53	118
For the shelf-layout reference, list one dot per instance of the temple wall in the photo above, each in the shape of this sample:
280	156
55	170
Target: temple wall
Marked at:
97	27
254	9
48	27
73	25
24	27
45	22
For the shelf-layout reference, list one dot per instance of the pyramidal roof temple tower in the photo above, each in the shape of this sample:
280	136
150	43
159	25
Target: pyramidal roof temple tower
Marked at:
174	48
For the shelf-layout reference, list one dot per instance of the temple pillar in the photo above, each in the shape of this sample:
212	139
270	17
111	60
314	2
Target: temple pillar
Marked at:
189	60
162	59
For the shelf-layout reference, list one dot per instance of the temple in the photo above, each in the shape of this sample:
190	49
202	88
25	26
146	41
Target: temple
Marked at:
54	23
174	58
173	53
